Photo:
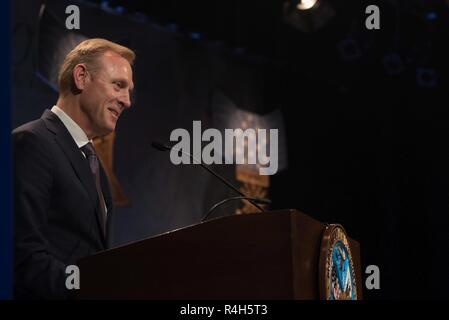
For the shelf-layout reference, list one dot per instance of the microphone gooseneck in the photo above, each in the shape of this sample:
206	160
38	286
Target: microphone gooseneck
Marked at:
259	200
164	147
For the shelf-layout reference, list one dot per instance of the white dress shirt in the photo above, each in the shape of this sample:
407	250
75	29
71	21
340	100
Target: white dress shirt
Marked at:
75	131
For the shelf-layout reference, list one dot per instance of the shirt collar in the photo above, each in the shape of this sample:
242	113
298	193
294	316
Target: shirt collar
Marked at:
74	129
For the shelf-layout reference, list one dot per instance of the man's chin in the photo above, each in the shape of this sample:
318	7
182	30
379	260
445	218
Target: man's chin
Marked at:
110	125
110	130
105	131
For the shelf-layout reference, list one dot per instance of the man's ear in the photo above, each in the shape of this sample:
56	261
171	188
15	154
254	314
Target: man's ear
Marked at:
80	75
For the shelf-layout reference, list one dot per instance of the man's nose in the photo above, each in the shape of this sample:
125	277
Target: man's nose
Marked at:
125	100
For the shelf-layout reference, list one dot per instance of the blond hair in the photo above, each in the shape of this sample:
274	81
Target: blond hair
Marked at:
88	52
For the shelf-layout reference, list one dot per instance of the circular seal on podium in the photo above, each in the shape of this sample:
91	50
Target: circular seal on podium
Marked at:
337	279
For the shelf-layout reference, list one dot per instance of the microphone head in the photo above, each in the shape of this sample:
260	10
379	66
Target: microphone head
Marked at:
160	146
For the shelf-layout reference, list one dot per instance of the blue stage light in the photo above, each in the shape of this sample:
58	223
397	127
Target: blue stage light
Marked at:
195	35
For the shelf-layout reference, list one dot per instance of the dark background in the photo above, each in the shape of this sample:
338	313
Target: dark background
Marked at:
365	114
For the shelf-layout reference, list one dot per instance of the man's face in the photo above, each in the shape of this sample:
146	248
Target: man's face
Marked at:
107	93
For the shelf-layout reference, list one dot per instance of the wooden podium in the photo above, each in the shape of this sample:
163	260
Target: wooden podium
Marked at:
272	255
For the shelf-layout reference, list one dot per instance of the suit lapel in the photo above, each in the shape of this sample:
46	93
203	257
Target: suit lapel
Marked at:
105	188
109	204
77	160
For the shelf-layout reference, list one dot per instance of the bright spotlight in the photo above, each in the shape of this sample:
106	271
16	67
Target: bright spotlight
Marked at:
308	15
306	4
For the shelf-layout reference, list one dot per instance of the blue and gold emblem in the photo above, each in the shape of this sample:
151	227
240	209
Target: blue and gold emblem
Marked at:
337	276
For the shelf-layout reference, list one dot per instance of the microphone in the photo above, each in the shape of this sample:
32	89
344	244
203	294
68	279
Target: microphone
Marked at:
164	147
258	200
160	146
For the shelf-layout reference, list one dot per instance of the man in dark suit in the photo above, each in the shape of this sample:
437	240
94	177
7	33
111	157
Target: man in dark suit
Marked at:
62	201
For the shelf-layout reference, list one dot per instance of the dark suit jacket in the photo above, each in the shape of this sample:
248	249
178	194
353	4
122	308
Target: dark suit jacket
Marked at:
56	209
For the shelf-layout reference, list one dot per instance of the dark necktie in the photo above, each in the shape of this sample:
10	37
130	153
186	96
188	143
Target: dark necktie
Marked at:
91	156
